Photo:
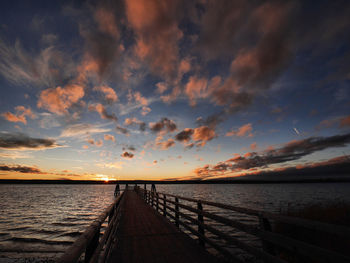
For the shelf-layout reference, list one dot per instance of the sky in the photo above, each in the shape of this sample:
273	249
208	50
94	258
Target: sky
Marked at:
165	90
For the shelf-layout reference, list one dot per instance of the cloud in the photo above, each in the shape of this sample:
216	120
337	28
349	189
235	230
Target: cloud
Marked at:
156	34
20	169
102	38
185	135
103	112
164	145
20	141
98	143
253	146
122	130
59	100
110	95
82	129
135	121
20	115
203	134
245	130
127	155
164	125
109	137
345	121
43	69
196	88
14	155
291	151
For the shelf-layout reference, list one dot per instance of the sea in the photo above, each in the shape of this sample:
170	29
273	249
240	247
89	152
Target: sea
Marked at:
40	221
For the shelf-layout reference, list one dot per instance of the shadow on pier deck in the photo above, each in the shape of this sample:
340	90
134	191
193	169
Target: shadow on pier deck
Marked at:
146	236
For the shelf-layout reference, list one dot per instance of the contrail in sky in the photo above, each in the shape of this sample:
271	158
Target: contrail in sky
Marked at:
296	131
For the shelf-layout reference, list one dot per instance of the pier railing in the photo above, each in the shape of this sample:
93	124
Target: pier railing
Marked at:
94	247
189	213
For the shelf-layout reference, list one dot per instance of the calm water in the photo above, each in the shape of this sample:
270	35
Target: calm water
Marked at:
42	220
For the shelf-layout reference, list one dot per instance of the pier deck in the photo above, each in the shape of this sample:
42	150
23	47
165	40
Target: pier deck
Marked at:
146	236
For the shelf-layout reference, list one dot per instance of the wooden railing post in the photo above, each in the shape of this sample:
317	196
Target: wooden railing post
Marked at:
201	220
90	249
152	194
157	202
164	205
266	226
177	211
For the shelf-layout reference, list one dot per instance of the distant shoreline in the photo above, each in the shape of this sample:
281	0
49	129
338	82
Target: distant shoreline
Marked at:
218	181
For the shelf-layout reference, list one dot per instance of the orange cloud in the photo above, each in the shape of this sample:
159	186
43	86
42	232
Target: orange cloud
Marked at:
203	134
109	93
345	121
109	137
157	33
20	116
196	88
164	145
102	111
59	100
253	146
245	130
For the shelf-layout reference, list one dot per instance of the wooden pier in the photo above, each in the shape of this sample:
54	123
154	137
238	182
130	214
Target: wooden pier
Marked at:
146	236
147	226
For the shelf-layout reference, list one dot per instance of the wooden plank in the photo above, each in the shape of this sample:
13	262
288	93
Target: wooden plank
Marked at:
146	236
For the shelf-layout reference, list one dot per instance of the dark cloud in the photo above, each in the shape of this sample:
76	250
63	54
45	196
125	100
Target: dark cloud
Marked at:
122	130
101	34
19	140
163	125
291	151
185	135
338	166
212	120
20	169
129	147
127	155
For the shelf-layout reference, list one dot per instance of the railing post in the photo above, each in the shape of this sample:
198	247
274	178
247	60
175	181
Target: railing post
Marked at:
201	220
157	204
164	205
145	193
266	226
177	211
152	194
90	249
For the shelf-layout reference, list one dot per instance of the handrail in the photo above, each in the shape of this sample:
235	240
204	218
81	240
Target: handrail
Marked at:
315	225
270	240
88	242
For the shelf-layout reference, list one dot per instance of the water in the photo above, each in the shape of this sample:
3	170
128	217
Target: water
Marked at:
43	220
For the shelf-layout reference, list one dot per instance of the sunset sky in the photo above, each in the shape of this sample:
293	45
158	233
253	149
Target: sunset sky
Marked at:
146	89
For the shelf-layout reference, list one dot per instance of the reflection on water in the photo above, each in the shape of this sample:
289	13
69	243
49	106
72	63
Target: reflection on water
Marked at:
47	218
42	220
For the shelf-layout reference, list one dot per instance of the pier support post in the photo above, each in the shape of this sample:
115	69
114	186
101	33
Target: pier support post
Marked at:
201	220
266	226
177	211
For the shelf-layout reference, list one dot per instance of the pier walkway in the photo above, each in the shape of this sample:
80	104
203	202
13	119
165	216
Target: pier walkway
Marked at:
146	236
148	226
